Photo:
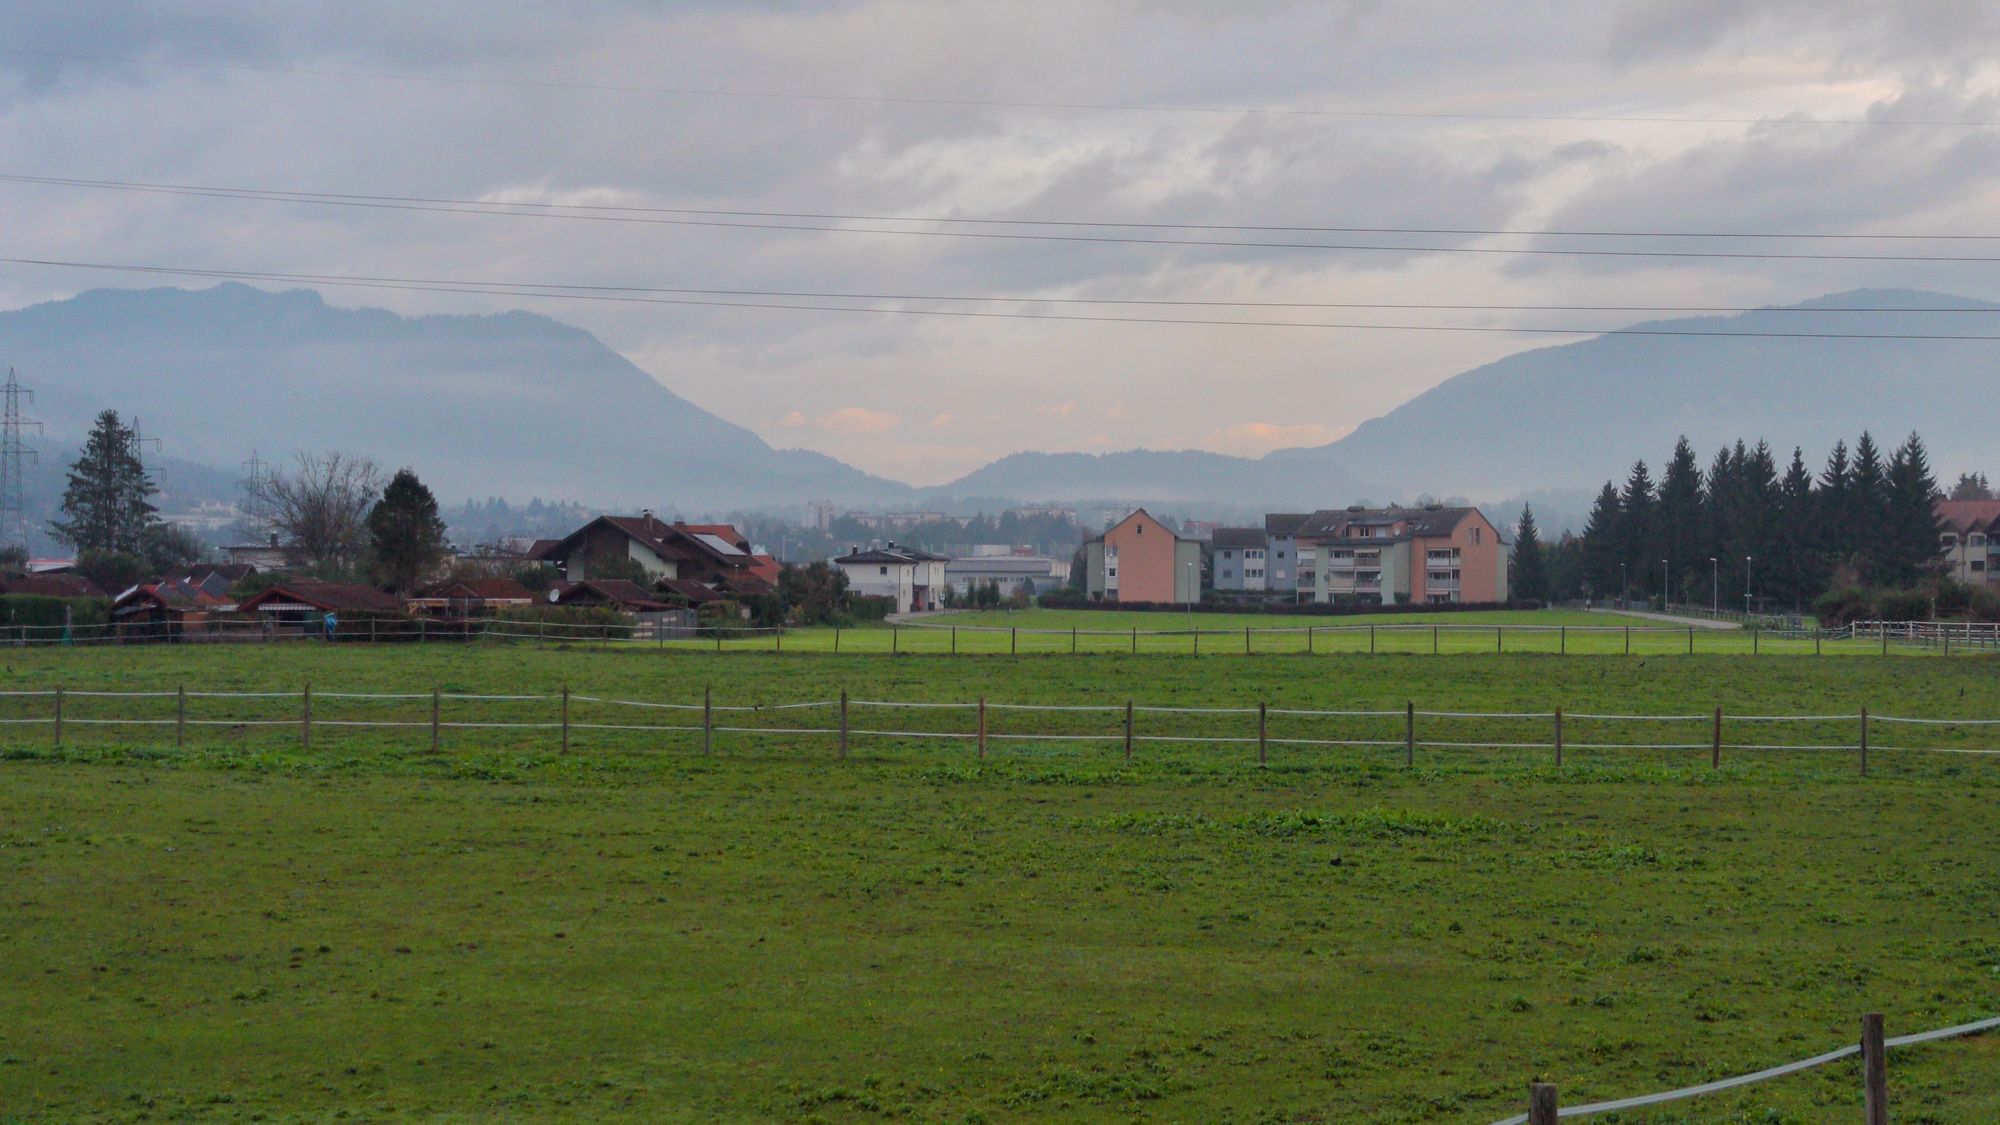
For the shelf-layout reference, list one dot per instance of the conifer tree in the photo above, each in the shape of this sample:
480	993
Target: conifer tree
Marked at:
1638	529
107	505
1528	577
1600	543
1910	525
405	531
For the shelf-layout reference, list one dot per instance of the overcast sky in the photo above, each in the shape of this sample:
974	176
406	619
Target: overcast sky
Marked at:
515	108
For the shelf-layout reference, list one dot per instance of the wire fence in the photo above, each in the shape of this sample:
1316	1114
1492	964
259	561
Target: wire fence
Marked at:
845	722
1872	1050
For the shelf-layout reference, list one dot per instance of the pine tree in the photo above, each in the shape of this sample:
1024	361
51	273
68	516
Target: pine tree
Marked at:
1794	571
107	502
1833	504
1683	534
1638	529
1867	508
406	531
1910	527
1600	543
1972	486
1528	577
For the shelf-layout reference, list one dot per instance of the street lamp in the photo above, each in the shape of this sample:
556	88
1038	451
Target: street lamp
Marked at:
1714	588
1746	587
1666	598
1624	587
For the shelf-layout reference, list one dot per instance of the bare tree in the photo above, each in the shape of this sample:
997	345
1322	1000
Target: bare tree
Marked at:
320	506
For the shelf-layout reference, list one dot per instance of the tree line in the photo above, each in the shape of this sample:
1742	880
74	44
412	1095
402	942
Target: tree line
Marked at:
336	513
1747	532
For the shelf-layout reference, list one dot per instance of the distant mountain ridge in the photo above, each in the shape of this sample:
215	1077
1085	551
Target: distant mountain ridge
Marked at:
519	405
513	404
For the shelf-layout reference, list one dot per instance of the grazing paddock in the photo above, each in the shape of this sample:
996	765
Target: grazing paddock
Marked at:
242	927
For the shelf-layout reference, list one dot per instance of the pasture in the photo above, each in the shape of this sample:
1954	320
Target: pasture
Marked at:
244	928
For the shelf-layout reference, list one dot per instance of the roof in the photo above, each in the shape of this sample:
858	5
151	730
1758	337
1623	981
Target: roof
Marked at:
172	594
232	572
688	588
767	568
1968	515
1423	523
1283	524
1135	513
484	589
618	591
325	596
900	556
1239	537
719	544
1001	564
51	586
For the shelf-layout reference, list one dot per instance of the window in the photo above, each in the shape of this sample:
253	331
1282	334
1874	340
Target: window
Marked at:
1229	574
1978	564
1949	538
1475	536
885	570
1253	574
1976	540
1281	554
1228	554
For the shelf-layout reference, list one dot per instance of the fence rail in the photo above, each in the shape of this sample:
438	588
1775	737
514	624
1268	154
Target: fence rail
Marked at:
1872	1048
1882	637
976	723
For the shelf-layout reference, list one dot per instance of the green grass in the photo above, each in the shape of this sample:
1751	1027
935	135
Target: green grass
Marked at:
247	930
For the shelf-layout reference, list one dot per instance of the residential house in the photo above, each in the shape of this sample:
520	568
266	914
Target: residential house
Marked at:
619	594
702	552
1140	559
1240	559
471	597
1966	540
303	601
268	555
167	608
1391	556
51	586
914	579
1035	574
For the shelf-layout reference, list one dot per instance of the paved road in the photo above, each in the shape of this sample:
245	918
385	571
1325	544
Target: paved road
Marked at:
1697	622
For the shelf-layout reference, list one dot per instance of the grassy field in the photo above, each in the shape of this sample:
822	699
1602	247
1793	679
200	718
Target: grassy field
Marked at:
1096	632
247	930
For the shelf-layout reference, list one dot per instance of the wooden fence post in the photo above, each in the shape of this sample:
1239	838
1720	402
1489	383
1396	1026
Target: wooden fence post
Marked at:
1559	737
982	727
1128	730
1874	1070
1756	634
954	640
1690	640
836	638
1309	640
1542	1106
1371	636
180	717
306	717
895	640
1628	640
1434	639
1135	640
1409	734
565	719
1072	640
707	718
843	724
1261	713
1562	640
59	697
437	697
1715	742
1883	627
1864	742
1246	640
1013	640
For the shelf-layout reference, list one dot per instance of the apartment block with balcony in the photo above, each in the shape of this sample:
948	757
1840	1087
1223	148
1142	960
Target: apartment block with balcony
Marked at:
1966	540
1389	556
1240	558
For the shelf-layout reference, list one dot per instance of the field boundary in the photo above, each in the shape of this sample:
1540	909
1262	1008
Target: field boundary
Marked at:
1410	728
1872	1048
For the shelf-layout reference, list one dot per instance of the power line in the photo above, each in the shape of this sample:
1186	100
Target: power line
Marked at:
529	292
506	287
280	195
471	207
995	103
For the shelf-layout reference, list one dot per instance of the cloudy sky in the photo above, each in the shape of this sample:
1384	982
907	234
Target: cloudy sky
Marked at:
1721	116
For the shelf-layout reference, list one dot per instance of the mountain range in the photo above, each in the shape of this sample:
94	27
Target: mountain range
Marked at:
517	404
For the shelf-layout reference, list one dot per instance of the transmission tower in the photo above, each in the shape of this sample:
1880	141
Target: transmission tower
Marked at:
140	442
14	453
255	515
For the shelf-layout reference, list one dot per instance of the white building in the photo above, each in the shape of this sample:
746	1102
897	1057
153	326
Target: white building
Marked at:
1039	574
915	579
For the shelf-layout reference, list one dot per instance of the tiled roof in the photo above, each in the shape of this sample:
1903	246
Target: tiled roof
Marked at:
1422	523
617	591
891	555
335	596
1239	537
51	586
1284	523
488	589
1968	515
